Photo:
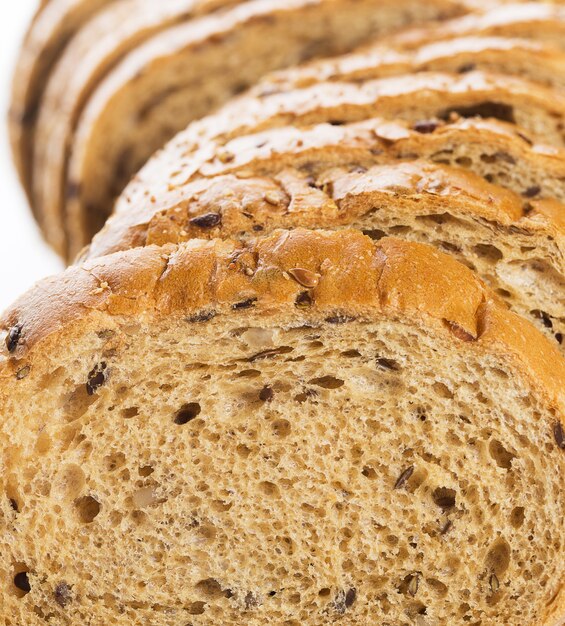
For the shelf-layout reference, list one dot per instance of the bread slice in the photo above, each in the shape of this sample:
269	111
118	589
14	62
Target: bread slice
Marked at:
53	26
187	71
95	50
372	439
516	245
526	58
412	97
498	151
540	21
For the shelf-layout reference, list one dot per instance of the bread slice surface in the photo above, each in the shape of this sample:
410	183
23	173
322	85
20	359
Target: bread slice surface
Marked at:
498	151
382	449
413	97
525	58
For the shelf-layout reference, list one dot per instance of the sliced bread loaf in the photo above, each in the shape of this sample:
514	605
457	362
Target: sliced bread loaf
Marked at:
413	97
53	26
516	245
186	71
372	439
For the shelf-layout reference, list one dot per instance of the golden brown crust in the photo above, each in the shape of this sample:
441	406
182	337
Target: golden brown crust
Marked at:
428	94
403	196
162	181
357	277
168	188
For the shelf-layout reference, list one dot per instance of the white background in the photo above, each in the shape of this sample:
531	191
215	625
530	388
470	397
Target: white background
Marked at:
24	257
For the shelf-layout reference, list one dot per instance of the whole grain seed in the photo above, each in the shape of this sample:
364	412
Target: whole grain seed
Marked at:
350	597
272	198
208	220
413	585
23	372
425	126
13	337
388	364
305	277
532	192
266	394
459	332
63	594
559	434
204	316
245	304
96	378
404	477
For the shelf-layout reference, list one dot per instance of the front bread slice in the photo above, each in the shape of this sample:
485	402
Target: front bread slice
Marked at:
310	428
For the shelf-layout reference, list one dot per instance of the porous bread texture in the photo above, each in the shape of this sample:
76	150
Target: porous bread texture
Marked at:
187	71
94	51
528	59
540	21
53	26
387	449
516	245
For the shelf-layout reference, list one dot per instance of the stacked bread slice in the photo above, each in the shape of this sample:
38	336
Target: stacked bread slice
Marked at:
542	21
296	378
